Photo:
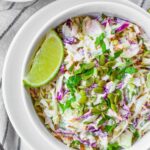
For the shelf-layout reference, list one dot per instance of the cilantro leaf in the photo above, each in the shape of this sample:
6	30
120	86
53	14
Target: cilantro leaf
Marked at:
75	144
87	74
136	135
135	132
118	53
99	39
108	103
84	67
72	82
122	72
113	146
131	70
67	104
110	128
103	120
128	62
103	46
71	68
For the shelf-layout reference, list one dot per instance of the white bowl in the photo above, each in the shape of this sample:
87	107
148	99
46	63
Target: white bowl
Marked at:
15	88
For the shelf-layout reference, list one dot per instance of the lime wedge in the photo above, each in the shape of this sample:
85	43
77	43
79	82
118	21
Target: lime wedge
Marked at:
47	61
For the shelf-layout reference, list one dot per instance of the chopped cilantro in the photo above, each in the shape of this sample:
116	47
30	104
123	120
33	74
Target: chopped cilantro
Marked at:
110	128
103	46
113	146
84	67
100	41
118	53
108	103
71	68
75	144
128	62
72	82
136	135
135	132
130	70
103	120
67	104
122	72
86	75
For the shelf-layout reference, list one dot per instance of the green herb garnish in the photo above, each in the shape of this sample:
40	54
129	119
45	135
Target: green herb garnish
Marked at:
87	74
110	128
72	82
130	70
67	104
104	119
135	132
75	144
100	41
84	67
118	53
113	146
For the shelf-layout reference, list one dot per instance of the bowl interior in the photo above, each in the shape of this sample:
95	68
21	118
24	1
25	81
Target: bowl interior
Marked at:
89	8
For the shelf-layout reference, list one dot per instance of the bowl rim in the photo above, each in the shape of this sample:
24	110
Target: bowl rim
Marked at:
3	86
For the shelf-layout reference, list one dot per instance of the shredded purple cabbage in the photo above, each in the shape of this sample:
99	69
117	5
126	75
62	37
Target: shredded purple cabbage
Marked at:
85	116
120	85
94	86
122	27
135	122
107	21
70	40
62	69
64	132
101	134
106	91
82	52
96	63
89	54
120	20
91	128
60	94
132	42
66	91
97	132
90	88
126	108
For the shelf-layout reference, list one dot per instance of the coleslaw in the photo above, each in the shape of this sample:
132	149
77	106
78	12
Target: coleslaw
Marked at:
100	99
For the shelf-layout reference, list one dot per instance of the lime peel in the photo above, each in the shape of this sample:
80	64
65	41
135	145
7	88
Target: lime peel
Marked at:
47	61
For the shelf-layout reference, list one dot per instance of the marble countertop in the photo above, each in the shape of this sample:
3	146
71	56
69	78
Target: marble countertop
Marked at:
12	17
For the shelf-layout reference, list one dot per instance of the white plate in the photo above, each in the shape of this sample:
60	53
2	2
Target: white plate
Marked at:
12	70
